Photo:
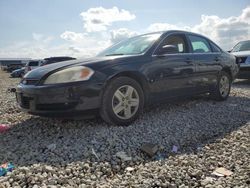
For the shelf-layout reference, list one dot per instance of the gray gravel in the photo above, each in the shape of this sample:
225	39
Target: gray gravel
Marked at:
62	153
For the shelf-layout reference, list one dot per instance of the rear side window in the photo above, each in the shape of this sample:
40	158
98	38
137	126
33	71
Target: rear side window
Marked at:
215	48
33	63
199	44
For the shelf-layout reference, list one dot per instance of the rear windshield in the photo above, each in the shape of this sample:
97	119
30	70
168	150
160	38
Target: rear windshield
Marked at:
33	63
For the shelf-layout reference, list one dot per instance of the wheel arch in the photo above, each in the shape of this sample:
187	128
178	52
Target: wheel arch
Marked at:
228	71
138	77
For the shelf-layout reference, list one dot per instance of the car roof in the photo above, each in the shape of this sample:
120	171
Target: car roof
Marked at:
166	32
59	57
244	41
184	32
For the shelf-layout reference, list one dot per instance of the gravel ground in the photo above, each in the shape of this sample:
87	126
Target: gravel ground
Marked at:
63	153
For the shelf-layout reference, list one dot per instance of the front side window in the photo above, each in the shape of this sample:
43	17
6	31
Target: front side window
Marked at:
172	44
199	44
132	46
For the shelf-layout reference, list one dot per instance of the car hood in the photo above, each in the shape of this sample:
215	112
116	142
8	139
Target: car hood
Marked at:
95	63
241	53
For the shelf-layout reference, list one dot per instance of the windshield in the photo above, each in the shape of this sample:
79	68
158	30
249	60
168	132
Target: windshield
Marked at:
132	46
242	46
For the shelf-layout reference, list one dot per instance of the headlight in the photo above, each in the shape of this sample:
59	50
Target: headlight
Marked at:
73	74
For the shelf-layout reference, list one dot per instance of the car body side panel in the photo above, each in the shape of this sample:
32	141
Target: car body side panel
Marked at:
228	62
170	75
208	68
164	77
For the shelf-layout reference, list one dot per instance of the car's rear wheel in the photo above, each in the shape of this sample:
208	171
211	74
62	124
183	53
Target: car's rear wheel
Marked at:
222	88
122	101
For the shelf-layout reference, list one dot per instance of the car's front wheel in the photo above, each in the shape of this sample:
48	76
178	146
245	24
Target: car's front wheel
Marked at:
222	88
122	101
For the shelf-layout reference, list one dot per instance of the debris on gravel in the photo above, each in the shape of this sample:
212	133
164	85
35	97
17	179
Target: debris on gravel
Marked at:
89	153
222	172
150	149
123	156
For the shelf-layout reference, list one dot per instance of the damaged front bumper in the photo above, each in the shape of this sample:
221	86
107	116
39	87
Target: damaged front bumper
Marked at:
59	99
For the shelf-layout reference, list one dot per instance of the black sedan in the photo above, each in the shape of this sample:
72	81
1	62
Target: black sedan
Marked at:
136	72
18	73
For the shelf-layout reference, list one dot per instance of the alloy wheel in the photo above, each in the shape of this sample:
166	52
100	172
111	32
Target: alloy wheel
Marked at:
224	86
125	102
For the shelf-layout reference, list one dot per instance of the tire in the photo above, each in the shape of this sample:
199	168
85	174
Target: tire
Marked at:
222	89
122	101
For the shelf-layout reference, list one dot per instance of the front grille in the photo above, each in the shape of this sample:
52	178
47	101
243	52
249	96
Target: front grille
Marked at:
25	102
56	106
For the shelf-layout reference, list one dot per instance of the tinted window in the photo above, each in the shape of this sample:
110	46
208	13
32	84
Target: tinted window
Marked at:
215	48
33	63
199	44
135	45
176	40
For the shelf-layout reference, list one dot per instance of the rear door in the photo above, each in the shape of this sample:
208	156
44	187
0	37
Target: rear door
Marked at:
171	73
207	61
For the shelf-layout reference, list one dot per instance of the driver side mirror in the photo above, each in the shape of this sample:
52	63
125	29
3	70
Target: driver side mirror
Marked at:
168	49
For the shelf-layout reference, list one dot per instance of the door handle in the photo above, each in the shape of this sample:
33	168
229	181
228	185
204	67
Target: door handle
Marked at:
188	60
216	59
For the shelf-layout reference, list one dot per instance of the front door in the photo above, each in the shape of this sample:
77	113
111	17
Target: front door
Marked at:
172	69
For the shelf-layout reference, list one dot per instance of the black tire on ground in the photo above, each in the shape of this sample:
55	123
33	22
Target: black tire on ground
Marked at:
216	93
106	111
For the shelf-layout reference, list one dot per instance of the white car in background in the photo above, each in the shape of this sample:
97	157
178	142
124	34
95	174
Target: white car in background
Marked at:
242	52
32	65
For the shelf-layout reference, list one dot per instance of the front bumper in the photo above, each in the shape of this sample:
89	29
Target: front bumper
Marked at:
244	72
59	99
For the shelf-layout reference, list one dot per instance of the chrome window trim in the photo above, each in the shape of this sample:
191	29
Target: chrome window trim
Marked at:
213	53
189	53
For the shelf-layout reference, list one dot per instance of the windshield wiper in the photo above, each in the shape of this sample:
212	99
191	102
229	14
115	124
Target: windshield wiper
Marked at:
113	54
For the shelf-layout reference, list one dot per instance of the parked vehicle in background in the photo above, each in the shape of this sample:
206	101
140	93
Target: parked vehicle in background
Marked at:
10	64
51	60
18	73
32	65
120	81
242	52
36	63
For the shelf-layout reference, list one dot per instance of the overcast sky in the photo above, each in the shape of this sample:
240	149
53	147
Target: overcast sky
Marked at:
82	28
